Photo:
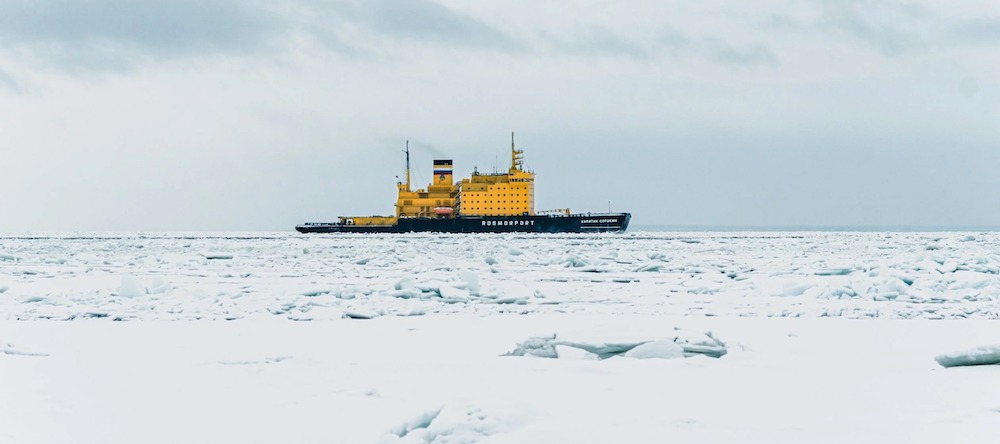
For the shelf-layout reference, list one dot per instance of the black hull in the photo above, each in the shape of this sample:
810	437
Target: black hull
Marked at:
577	223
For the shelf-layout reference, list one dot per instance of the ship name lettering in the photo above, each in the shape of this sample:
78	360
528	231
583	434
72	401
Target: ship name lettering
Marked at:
506	223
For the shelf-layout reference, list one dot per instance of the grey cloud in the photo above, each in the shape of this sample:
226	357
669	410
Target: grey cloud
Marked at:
979	31
113	34
177	26
598	40
7	82
420	20
715	49
889	28
108	32
755	54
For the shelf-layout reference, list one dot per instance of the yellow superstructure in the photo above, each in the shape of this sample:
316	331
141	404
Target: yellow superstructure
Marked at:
498	194
440	199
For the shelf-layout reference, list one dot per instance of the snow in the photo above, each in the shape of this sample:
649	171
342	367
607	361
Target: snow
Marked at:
635	337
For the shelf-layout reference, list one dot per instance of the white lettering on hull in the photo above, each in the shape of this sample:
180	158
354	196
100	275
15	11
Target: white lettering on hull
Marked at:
507	223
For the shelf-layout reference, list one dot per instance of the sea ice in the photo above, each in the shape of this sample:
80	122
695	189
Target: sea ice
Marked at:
451	293
213	255
573	353
661	349
438	378
422	421
681	345
537	346
840	271
131	287
985	355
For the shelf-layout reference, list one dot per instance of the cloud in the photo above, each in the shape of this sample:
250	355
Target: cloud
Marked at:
715	49
597	40
750	55
889	27
7	82
113	35
419	21
977	31
108	33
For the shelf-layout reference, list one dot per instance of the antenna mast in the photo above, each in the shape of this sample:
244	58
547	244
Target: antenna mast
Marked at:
516	163
407	165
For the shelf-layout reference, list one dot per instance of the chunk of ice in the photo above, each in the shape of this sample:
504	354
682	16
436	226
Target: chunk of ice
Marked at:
650	267
360	314
131	287
795	289
159	286
471	281
841	271
404	283
948	267
422	421
538	346
449	292
662	349
217	255
985	355
574	354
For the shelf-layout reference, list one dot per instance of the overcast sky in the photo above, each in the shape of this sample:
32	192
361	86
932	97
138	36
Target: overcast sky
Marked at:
257	115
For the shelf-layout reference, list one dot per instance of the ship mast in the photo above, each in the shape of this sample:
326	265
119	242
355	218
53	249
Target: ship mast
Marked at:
515	156
408	166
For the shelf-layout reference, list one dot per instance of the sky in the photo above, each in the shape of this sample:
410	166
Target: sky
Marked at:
205	115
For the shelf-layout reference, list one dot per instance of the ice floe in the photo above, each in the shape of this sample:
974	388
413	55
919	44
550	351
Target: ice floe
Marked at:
682	344
985	355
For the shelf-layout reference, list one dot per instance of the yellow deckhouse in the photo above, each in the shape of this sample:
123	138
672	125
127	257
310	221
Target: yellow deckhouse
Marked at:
498	194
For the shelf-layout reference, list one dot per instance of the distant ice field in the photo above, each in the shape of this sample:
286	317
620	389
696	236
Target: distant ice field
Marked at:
234	276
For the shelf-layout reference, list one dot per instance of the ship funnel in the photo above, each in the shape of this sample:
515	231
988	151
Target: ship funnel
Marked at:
443	172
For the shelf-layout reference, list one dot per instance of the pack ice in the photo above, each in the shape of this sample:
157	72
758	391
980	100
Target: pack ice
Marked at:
650	337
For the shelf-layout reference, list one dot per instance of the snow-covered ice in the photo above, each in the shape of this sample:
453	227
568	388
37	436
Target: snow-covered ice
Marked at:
687	337
164	277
